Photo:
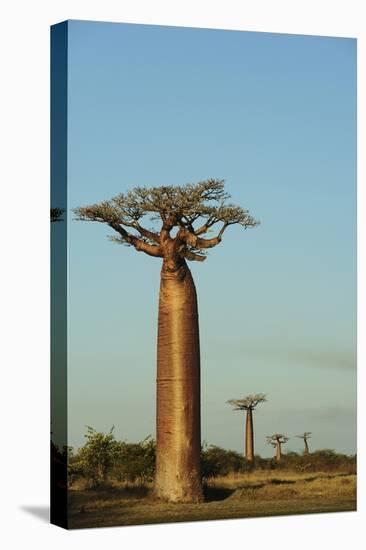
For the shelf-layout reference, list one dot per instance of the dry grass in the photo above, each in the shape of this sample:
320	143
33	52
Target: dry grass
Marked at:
279	488
264	485
236	496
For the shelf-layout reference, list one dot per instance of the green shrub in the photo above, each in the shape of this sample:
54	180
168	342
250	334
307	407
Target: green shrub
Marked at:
216	461
95	459
135	461
103	458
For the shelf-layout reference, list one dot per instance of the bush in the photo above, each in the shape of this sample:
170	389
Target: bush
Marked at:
216	461
135	461
329	460
219	462
325	460
103	458
95	459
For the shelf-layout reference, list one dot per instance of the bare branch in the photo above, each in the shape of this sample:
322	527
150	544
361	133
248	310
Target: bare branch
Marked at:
192	256
205	227
210	243
139	244
191	239
146	233
305	435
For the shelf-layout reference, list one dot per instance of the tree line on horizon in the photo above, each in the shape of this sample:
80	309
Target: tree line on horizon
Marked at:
103	458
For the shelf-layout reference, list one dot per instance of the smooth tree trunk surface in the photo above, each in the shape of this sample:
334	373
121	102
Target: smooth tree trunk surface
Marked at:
278	451
178	430
249	437
306	447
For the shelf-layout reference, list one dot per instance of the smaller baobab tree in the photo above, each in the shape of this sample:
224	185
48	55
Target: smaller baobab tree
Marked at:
248	404
277	440
305	436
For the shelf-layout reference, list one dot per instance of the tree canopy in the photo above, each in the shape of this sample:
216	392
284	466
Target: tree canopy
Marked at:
305	435
276	438
192	209
248	402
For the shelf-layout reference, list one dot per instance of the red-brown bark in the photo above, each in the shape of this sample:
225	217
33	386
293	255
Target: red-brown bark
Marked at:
178	434
278	451
249	436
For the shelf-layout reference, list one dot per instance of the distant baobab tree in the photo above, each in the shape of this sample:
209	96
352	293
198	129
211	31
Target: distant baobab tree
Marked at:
56	214
181	215
277	440
305	436
248	404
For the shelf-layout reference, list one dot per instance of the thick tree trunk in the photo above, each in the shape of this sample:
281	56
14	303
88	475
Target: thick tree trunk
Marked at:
178	476
306	451
278	451
249	438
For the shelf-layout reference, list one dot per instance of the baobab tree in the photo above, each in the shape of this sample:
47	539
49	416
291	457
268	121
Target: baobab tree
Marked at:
277	440
181	215
305	436
248	404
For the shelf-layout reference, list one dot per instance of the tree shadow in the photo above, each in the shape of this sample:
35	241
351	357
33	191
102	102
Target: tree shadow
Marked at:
133	491
111	492
252	486
276	481
313	478
40	512
216	493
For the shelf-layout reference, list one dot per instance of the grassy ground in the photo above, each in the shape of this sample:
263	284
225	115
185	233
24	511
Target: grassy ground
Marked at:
236	496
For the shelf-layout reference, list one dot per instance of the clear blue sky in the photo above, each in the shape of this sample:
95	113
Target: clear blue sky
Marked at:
275	116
